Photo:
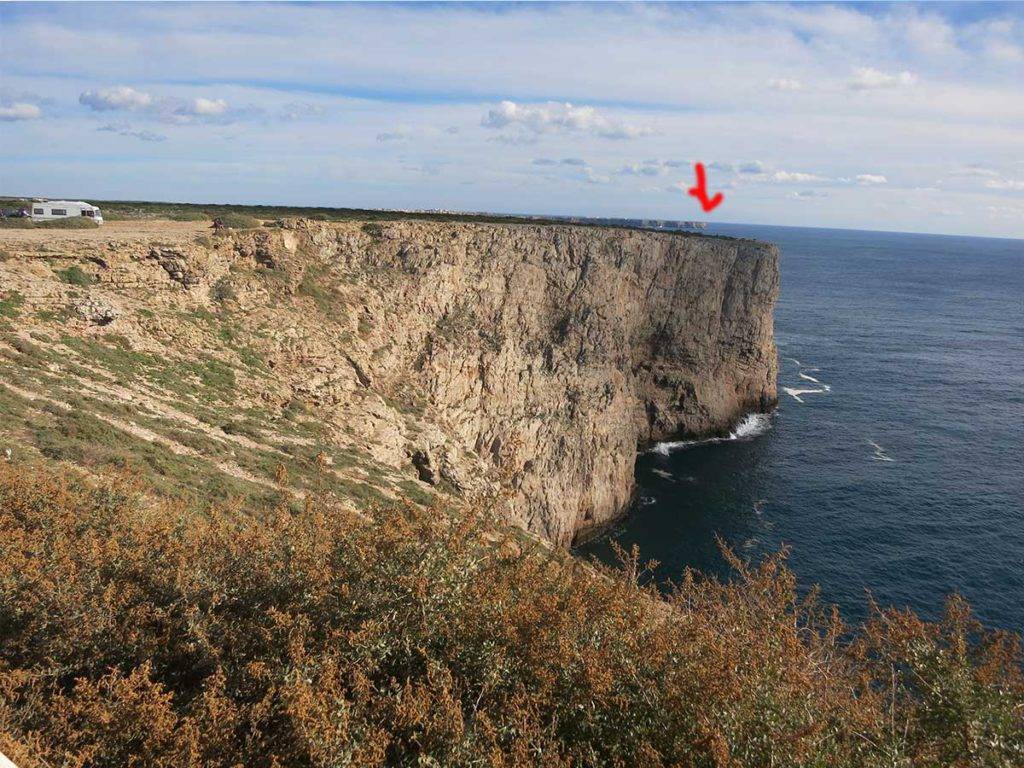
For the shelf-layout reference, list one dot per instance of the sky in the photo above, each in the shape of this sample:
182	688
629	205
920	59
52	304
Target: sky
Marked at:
904	117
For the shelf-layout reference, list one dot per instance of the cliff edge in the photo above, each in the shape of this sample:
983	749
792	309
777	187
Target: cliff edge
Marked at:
454	357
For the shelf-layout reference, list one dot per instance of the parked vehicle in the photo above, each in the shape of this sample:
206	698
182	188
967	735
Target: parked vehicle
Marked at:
50	210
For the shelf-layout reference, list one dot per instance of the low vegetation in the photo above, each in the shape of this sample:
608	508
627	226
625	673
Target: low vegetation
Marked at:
139	632
238	221
75	275
75	222
10	304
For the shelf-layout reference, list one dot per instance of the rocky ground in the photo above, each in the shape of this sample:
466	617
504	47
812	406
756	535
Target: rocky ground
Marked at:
373	360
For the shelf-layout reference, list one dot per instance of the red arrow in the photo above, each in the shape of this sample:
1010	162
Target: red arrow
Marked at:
701	191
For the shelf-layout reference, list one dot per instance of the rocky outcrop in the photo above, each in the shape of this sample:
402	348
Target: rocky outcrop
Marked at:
548	355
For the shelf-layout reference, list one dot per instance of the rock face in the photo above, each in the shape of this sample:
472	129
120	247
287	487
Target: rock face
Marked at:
532	360
552	353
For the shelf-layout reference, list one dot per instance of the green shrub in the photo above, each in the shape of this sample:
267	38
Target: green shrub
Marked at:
10	304
142	633
188	216
16	224
75	275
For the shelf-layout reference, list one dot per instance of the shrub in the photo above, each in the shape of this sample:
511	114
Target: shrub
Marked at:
238	221
188	216
145	634
18	223
222	290
75	275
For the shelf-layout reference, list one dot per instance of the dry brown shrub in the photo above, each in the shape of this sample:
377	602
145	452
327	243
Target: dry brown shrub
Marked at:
137	633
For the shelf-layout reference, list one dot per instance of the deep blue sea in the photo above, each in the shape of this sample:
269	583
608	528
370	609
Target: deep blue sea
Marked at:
894	465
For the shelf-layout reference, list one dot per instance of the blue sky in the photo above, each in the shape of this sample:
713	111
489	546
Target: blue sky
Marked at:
904	117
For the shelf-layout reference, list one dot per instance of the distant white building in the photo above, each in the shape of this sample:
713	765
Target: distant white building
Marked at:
61	209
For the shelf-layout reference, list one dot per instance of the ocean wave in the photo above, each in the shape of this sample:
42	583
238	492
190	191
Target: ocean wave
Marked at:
749	427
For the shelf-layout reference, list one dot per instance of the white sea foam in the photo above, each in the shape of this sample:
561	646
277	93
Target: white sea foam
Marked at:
821	384
663	473
880	452
749	427
798	363
752	425
795	393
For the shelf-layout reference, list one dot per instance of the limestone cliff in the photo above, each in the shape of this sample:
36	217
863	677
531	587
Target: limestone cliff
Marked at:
537	358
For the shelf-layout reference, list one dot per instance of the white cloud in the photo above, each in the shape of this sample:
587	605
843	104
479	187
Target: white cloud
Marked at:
805	194
784	84
1011	184
19	110
651	167
170	109
871	178
120	97
795	177
562	118
754	166
867	78
203	107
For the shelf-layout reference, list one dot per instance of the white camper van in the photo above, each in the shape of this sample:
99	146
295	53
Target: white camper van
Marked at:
62	209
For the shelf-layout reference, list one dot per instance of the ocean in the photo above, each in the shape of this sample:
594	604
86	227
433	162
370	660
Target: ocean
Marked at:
893	468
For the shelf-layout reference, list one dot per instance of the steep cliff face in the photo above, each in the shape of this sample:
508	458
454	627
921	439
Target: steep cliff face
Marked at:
537	359
553	353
